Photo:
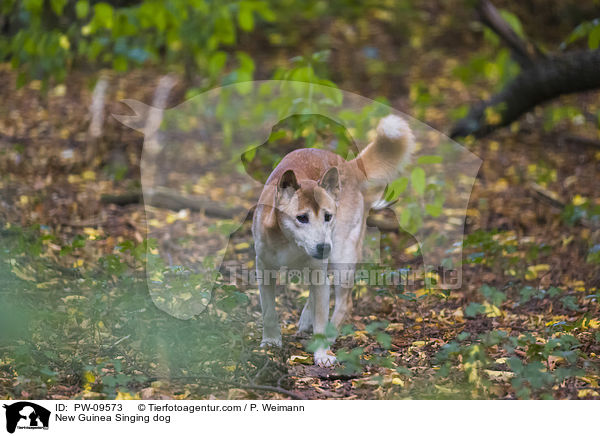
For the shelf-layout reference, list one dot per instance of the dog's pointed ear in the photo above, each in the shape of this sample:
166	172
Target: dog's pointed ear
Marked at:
331	182
287	186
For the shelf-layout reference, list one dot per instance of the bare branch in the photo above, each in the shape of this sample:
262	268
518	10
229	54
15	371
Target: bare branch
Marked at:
525	53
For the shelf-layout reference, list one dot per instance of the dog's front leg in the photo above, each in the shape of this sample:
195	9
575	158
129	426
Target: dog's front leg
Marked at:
320	292
271	331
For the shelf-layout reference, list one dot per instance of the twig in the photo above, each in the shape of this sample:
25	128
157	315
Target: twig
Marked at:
547	196
580	140
239	385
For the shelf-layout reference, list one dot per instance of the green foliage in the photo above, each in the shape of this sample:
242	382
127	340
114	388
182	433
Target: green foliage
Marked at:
530	374
587	29
581	210
47	313
47	38
556	114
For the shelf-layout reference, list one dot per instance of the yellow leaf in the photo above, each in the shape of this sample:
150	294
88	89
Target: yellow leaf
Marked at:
361	335
587	393
397	381
91	232
499	375
22	274
418	343
593	382
89	175
491	310
578	200
533	270
88	379
126	396
412	249
296	360
395	327
242	246
500	185
459	315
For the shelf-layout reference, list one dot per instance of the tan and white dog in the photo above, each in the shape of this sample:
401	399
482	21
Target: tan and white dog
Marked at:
312	215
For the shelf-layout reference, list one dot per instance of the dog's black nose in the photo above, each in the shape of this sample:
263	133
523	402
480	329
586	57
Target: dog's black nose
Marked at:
323	250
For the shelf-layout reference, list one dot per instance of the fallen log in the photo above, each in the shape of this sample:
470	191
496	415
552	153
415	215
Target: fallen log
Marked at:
169	199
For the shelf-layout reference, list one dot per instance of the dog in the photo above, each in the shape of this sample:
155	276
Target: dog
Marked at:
311	215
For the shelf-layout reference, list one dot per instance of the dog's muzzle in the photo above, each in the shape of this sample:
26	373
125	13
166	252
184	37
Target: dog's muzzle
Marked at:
323	251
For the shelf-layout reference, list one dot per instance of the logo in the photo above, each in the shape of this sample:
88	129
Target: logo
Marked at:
26	415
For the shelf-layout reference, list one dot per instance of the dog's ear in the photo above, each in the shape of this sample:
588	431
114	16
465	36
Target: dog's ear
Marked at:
331	182
287	186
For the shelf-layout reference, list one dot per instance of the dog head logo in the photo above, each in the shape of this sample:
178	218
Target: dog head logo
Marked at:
201	155
26	415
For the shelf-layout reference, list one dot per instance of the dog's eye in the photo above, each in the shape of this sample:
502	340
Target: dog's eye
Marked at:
302	218
327	217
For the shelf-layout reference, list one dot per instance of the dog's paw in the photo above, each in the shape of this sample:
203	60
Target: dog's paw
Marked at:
324	358
271	342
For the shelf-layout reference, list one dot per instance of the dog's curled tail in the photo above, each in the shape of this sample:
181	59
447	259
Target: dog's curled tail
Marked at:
382	159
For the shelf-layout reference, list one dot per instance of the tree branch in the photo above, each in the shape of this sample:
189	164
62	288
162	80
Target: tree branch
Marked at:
525	53
567	73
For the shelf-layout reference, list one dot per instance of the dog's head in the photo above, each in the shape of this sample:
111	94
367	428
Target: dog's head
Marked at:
306	211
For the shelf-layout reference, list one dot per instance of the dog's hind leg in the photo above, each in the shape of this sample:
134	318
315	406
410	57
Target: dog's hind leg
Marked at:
343	276
306	318
343	304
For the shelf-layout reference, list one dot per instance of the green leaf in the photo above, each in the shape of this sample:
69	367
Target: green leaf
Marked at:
103	15
433	209
594	38
58	6
417	178
405	218
474	309
216	63
514	22
82	8
570	302
120	63
384	340
493	295
582	30
396	188
430	159
245	17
